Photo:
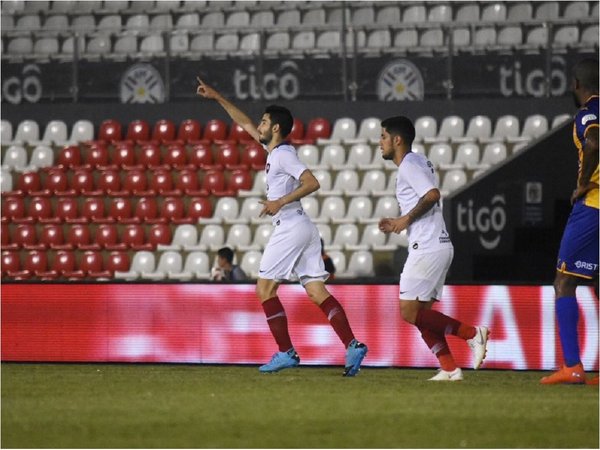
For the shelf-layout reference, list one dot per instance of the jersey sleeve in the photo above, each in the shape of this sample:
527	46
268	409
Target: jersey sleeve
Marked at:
291	164
417	177
585	119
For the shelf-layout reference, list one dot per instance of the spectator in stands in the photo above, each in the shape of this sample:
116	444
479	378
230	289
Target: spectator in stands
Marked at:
430	250
293	248
578	252
226	270
329	266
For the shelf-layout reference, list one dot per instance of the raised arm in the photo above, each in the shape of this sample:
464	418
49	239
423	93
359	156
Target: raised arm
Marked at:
234	112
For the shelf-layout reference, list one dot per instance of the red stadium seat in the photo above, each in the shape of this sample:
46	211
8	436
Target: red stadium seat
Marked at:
146	209
161	181
79	236
317	128
121	210
25	236
199	207
35	261
188	182
123	154
134	237
107	237
52	236
67	209
29	182
149	155
213	181
96	156
172	209
117	262
11	262
175	155
163	131
138	130
62	265
135	182
201	156
40	208
82	181
297	133
238	134
109	181
4	234
215	130
57	182
254	156
189	130
69	157
110	130
92	264
13	208
93	209
228	156
159	233
240	179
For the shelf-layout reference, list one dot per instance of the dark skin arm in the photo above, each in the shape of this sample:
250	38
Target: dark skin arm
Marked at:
589	164
425	203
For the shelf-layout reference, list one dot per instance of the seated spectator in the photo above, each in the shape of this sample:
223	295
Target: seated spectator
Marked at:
226	270
329	266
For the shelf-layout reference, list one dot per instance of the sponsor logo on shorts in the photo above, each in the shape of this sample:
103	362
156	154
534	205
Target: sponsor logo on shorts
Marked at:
586	265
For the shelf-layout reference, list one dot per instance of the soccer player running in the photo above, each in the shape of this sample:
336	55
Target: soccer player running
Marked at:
578	252
430	250
294	248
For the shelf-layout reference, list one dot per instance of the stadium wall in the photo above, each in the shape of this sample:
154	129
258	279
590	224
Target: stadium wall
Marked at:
224	324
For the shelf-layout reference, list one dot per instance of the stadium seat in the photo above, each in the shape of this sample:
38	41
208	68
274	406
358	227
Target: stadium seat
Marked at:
169	263
51	236
510	36
386	206
6	181
39	208
359	207
67	209
199	208
173	209
212	237
123	154
566	36
324	179
344	128
258	185
560	119
25	236
82	23
29	182
339	261
360	265
373	181
238	134
534	126
493	153
485	37
589	36
405	39
185	236
146	209
414	14
451	127
138	130
133	236
261	237
15	158
197	266
79	236
250	263
227	155
93	210
467	157
368	132
276	42
346	234
55	131
453	179
425	127
215	130
238	236
297	132
117	261
333	207
35	262
69	157
149	156
109	181
82	181
63	265
57	183
107	237
318	128
310	205
97	156
479	128
187	181
346	181
92	265
239	179
13	208
372	238
164	131
226	208
189	130
494	12
507	126
20	46
135	182
143	261
161	182
121	210
253	156
41	157
200	156
309	154
11	263
110	130
159	235
5	131
213	181
333	155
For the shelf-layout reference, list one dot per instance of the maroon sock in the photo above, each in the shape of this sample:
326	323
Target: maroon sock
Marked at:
337	318
439	347
437	322
278	324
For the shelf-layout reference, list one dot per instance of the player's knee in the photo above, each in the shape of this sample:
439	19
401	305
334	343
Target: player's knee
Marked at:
408	312
564	285
265	291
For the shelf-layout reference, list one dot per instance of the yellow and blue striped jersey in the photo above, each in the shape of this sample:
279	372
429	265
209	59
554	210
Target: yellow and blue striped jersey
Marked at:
586	118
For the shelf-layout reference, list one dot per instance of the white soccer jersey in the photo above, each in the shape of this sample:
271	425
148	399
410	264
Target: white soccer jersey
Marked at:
283	170
415	177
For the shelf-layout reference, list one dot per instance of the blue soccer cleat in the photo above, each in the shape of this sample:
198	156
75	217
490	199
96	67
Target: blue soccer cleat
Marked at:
355	353
281	360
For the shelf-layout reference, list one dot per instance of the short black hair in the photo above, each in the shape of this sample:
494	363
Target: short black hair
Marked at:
281	116
586	72
226	253
400	126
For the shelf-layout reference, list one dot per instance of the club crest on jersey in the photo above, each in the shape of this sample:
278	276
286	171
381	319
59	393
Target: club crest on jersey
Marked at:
400	80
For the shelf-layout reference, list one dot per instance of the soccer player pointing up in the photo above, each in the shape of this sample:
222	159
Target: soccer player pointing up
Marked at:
430	250
294	248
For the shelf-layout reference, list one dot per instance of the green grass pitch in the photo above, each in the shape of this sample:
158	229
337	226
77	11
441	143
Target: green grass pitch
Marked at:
200	406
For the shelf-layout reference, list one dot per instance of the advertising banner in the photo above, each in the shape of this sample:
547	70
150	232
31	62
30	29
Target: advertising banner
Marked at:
386	77
201	323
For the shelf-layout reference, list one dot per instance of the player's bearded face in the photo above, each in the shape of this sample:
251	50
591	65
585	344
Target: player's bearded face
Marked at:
265	135
387	150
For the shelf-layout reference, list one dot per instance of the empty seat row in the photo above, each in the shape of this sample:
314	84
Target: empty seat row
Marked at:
63	264
95	210
84	237
135	182
139	131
